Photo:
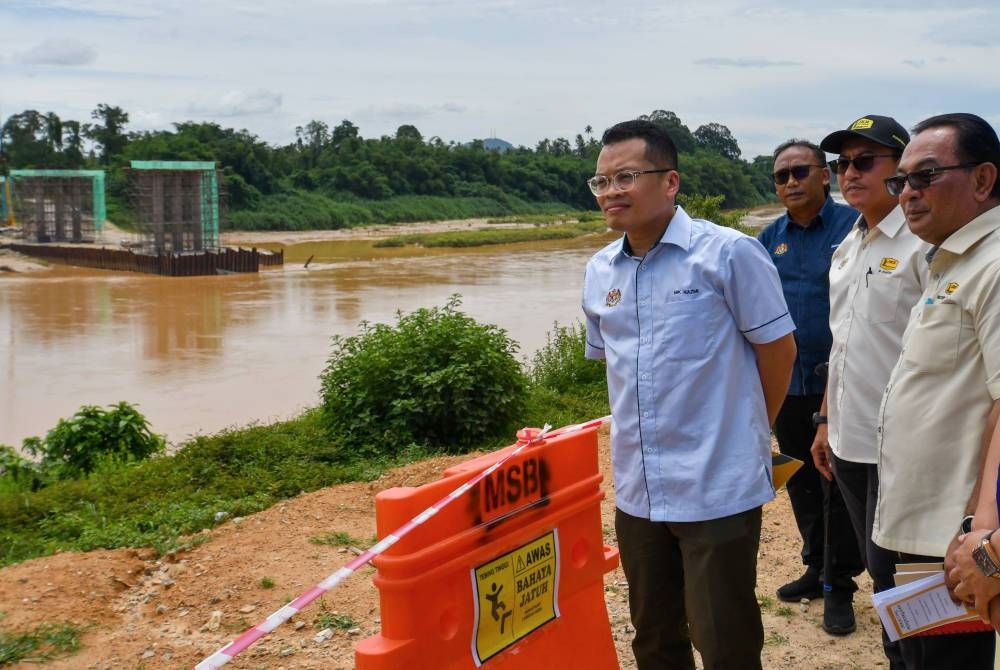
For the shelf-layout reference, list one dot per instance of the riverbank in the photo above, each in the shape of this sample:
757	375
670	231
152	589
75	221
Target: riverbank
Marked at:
161	613
111	235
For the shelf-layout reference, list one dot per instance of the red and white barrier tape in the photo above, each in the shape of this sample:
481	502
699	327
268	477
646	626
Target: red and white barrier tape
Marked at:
227	653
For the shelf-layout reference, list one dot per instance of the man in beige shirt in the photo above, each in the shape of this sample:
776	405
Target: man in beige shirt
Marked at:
936	416
876	276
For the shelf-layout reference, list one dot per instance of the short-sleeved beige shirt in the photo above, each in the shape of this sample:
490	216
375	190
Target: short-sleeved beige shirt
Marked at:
876	277
940	393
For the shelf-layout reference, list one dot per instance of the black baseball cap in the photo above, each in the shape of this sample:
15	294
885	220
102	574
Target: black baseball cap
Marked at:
883	130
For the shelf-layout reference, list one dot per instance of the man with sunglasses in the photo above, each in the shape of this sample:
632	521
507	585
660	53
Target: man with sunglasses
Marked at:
691	321
801	243
876	276
939	408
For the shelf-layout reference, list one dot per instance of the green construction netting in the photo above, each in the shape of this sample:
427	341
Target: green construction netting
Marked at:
209	192
97	176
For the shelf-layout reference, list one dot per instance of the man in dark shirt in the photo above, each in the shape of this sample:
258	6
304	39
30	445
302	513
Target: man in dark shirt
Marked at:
801	243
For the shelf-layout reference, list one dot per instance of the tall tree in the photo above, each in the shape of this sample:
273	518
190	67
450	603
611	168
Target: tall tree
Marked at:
26	140
54	131
109	133
679	133
72	144
717	137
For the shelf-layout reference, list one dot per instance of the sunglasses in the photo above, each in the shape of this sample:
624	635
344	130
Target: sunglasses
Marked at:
800	172
861	163
920	179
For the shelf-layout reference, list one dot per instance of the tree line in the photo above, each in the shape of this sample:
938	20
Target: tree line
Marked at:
337	170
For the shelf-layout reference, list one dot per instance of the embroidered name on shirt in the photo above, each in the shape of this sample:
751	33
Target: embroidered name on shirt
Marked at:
686	291
614	297
889	264
780	249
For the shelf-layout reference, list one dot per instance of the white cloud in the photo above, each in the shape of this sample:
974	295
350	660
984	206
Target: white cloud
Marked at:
746	62
405	112
237	103
65	52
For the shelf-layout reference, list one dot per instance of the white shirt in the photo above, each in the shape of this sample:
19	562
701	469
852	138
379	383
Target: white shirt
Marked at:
876	277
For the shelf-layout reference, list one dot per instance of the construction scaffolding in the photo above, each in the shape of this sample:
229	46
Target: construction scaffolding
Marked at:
177	205
57	205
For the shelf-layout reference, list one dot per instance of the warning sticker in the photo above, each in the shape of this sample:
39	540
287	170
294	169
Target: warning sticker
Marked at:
515	594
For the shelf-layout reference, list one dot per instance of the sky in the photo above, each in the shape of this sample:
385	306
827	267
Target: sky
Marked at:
515	69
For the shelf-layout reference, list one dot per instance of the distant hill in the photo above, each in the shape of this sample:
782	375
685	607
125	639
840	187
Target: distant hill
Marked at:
496	144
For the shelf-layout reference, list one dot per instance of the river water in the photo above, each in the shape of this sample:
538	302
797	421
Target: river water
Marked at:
201	354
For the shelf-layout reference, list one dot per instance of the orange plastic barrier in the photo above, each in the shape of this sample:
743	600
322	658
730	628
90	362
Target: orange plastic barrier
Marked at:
510	576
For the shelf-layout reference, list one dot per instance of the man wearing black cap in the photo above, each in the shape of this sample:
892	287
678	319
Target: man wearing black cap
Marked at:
876	276
801	243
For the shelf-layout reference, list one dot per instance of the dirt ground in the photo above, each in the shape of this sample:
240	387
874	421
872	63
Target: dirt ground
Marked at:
170	612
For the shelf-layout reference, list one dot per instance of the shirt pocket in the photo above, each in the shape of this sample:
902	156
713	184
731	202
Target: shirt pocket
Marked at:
933	347
688	328
879	301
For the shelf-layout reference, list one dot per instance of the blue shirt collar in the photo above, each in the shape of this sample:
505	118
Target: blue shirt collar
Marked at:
825	213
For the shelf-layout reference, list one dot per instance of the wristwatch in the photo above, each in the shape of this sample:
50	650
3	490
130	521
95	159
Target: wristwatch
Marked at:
818	419
986	558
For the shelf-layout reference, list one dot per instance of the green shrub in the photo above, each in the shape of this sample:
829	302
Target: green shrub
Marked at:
44	643
709	207
437	378
561	365
77	445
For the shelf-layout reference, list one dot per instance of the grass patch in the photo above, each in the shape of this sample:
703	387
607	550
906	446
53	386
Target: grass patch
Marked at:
785	611
266	583
479	238
542	219
335	620
775	639
44	643
160	501
164	502
340	539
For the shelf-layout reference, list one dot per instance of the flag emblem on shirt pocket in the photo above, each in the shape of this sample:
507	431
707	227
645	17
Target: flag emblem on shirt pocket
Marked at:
952	286
614	297
889	264
780	249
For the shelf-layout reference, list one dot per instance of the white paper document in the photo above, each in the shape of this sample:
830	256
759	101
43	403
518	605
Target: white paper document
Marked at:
918	606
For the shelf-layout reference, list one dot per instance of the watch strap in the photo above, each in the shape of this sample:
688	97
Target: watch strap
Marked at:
988	547
986	558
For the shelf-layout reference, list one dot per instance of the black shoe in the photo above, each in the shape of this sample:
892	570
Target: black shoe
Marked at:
807	586
838	612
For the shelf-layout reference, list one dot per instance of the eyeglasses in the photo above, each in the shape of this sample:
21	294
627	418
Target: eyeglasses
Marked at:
623	181
920	179
861	163
800	172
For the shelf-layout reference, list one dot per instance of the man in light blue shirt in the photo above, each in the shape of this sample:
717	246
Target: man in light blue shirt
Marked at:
694	328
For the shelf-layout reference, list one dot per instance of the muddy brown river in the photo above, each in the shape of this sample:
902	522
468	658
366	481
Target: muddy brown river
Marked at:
204	353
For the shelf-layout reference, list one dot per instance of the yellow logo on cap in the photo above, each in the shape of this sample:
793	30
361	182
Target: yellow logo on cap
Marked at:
862	124
780	249
889	264
951	287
